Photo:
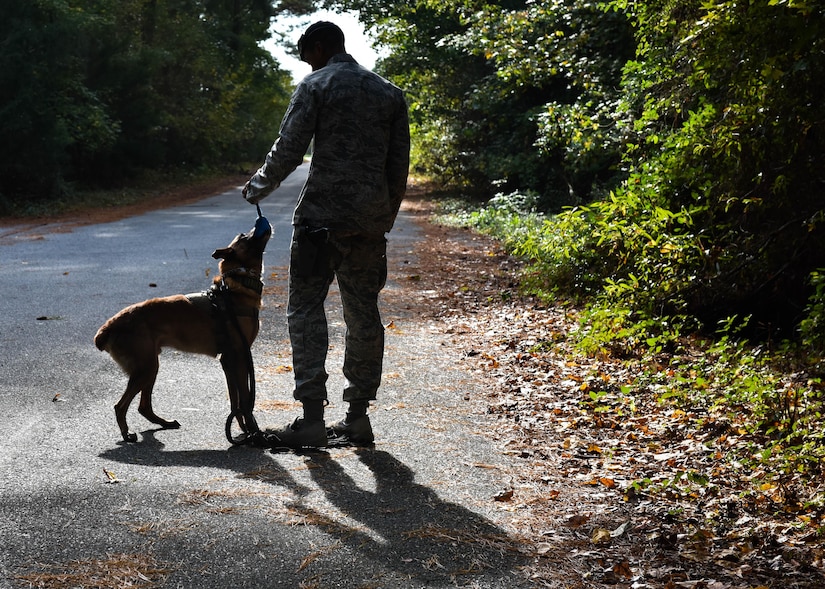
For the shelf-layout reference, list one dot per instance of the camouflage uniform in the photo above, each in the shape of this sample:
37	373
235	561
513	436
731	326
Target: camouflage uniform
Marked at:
356	182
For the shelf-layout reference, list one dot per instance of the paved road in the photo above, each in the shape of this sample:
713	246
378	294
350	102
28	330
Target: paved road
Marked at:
185	509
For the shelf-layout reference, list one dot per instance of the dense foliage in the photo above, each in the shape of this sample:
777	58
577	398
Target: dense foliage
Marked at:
689	136
726	153
93	92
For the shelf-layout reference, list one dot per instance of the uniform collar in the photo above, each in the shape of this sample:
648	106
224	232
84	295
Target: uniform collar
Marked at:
341	58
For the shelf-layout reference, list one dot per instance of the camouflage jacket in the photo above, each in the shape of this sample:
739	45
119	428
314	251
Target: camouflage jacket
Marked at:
361	150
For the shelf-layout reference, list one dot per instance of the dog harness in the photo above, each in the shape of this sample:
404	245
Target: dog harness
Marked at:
213	299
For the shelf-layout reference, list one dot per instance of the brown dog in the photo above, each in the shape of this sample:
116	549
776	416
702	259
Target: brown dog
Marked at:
223	320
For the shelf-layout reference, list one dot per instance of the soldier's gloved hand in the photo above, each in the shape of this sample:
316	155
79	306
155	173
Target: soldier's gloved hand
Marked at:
253	200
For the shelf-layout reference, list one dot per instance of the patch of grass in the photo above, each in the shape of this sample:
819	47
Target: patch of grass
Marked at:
204	496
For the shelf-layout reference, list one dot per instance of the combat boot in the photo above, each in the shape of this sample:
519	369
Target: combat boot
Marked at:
354	432
299	434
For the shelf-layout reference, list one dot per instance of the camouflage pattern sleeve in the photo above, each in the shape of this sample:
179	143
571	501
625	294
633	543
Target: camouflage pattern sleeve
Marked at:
289	149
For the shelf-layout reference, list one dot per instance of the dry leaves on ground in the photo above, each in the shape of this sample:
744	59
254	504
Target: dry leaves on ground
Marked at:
613	488
115	571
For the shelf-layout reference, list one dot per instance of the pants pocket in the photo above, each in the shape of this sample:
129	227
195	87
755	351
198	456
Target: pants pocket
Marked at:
310	251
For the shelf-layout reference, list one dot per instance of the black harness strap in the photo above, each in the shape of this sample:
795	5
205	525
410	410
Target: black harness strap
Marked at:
226	314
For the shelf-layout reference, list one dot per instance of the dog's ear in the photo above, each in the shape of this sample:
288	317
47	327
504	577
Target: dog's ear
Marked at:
223	253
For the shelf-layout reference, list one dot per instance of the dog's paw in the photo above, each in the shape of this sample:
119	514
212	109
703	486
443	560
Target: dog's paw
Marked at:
130	437
171	425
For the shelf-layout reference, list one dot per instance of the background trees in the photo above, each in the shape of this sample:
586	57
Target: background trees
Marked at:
727	131
509	95
93	92
688	135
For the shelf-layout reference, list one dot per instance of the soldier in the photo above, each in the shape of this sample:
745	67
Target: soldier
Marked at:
357	179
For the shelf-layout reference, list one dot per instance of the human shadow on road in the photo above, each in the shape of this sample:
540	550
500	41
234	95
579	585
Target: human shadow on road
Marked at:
420	535
401	528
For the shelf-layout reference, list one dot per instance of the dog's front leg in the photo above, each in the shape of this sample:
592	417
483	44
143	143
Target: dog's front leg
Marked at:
236	370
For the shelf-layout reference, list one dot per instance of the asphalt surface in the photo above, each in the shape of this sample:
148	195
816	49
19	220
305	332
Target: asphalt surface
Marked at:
417	510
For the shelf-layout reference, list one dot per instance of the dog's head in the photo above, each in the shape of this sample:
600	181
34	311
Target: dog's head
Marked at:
247	249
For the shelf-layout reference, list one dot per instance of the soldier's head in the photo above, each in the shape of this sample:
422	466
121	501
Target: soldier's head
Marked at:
319	42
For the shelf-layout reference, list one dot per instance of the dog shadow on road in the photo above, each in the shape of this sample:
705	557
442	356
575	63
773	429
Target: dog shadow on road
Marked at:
244	461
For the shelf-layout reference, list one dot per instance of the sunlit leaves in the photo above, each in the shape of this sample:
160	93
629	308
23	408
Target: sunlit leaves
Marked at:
483	79
725	102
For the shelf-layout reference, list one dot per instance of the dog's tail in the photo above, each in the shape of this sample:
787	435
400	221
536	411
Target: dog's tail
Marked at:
102	337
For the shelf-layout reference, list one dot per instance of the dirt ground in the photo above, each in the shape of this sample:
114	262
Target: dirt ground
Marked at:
579	447
570	490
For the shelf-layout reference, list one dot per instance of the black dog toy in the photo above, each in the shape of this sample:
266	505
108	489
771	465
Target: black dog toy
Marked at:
261	224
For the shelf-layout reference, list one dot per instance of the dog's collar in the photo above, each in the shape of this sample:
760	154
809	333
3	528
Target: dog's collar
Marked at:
245	279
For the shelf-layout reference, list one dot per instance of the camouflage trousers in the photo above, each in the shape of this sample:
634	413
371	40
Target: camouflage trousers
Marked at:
359	263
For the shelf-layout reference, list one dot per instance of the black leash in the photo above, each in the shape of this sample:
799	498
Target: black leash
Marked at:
242	412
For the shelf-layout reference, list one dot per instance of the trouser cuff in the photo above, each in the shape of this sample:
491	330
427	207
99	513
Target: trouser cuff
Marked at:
313	409
357	409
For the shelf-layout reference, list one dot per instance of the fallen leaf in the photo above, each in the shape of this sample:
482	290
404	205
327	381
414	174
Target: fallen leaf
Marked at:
110	476
483	465
623	569
600	536
620	530
505	495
